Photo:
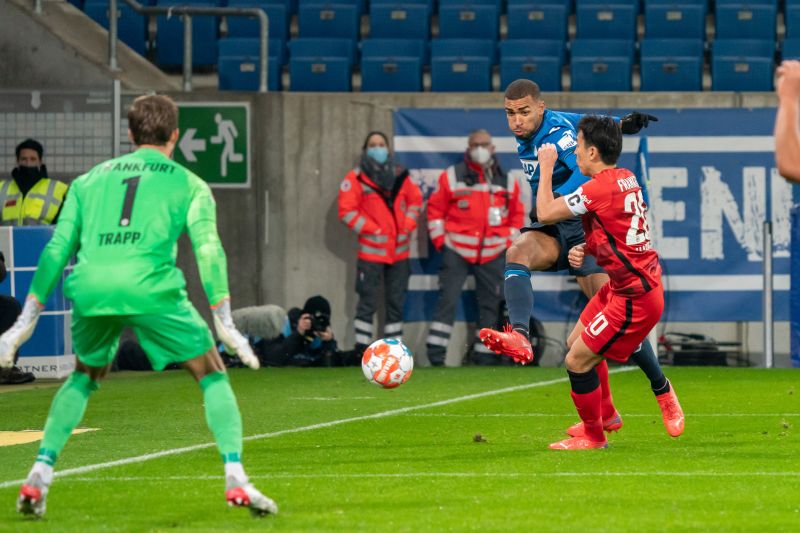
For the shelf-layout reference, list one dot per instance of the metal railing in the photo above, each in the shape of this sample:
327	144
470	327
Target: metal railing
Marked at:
187	12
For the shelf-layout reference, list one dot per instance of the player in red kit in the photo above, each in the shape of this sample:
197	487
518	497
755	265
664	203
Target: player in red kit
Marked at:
619	317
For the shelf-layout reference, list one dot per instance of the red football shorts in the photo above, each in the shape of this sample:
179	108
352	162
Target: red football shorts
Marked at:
615	325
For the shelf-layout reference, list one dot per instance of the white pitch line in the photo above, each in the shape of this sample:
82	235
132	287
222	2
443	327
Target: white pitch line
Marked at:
287	475
332	423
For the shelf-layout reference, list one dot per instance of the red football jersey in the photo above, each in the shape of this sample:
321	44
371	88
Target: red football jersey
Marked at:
614	219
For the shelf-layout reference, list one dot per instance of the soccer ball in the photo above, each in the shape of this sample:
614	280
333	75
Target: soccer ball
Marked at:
388	363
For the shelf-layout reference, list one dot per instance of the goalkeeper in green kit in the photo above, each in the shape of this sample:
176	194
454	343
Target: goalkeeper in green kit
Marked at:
123	219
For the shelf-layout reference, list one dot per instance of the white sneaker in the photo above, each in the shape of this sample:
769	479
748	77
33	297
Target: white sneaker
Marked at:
248	496
33	496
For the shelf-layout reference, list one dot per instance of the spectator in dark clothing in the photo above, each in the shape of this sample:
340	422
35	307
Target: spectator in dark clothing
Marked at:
307	338
10	309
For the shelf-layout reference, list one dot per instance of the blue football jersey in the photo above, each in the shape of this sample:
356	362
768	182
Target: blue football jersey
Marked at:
557	128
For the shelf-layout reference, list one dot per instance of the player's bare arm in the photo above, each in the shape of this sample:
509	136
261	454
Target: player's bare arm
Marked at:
549	210
787	131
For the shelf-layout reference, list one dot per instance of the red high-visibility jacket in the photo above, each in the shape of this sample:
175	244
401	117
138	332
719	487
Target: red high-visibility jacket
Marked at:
459	212
384	232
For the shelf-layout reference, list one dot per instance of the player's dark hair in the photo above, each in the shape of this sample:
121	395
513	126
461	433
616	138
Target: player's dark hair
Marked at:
369	136
519	89
152	119
604	134
30	144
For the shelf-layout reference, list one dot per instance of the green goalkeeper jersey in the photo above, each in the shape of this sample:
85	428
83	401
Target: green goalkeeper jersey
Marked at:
123	218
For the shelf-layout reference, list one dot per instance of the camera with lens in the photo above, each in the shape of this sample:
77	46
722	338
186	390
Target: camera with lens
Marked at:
320	322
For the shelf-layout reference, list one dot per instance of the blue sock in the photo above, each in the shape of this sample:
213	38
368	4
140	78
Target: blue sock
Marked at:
646	358
519	295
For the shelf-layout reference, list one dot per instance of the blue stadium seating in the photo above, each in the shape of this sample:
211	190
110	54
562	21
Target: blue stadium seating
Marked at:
336	20
427	3
615	19
247	27
672	65
462	65
131	26
792	19
538	60
238	64
392	65
399	21
675	19
468	21
742	65
736	19
790	48
169	37
537	20
321	64
496	3
601	65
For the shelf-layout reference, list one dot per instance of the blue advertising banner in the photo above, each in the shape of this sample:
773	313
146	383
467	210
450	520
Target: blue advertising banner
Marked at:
711	181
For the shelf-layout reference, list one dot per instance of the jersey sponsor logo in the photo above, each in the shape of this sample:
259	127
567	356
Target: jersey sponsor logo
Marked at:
554	128
119	237
529	167
567	141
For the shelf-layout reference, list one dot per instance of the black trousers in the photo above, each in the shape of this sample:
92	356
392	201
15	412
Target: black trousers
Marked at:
372	279
10	309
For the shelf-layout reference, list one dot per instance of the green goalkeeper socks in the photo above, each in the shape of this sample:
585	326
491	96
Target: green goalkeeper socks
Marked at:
66	412
222	415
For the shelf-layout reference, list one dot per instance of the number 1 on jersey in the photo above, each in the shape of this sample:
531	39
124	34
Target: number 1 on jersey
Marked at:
131	184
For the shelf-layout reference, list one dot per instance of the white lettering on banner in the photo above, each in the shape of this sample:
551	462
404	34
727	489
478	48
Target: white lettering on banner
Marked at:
781	201
717	201
667	211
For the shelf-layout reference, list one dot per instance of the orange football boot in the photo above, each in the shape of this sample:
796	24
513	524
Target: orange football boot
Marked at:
612	424
671	412
508	342
578	443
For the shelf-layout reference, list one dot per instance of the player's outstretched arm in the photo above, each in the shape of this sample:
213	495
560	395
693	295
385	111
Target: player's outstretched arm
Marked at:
787	134
212	265
633	123
549	209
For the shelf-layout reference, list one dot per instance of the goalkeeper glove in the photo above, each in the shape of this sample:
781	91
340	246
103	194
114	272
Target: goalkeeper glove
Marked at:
21	331
235	343
634	122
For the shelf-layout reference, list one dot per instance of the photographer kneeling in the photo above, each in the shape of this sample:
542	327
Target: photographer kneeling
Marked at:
307	338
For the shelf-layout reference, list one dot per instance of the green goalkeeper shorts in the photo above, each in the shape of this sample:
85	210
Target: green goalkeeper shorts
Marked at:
165	337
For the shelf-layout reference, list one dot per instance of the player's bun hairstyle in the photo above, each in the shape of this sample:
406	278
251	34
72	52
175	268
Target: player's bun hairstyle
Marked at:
519	89
604	134
152	119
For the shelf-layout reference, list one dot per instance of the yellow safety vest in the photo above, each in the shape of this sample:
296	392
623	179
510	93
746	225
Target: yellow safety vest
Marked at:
40	206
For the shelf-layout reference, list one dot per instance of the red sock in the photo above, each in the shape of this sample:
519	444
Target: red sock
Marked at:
607	401
589	409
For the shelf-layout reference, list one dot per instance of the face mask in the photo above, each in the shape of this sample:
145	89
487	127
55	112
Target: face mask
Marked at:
480	155
28	172
379	154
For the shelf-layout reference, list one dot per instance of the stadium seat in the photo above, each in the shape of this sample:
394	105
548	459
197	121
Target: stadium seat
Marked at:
601	65
392	65
248	27
675	19
672	65
399	21
496	3
320	64
742	65
427	3
736	19
537	20
615	19
131	26
792	19
468	21
169	38
538	60
790	48
335	20
238	64
462	65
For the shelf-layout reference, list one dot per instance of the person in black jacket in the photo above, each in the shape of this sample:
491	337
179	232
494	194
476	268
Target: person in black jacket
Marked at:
307	338
10	309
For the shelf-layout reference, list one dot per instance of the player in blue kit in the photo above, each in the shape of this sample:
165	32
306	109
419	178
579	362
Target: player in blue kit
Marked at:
546	247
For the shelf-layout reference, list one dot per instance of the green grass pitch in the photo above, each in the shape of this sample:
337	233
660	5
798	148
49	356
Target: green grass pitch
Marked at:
416	465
